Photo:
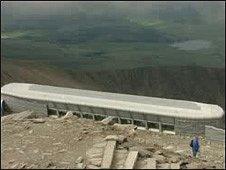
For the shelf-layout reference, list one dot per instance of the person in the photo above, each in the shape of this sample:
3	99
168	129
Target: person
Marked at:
195	146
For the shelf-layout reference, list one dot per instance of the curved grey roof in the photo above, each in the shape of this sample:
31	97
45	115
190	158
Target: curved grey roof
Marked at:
133	103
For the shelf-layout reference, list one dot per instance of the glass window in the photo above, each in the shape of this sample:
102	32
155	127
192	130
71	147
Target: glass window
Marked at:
153	125
167	127
126	121
139	123
87	116
99	117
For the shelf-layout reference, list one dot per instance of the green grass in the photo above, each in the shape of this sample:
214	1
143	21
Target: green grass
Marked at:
101	52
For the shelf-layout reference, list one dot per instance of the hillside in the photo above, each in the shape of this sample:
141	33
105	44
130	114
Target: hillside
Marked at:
72	142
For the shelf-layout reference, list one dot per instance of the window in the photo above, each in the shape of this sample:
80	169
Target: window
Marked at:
99	117
77	114
139	123
87	116
52	112
62	113
126	121
167	128
153	126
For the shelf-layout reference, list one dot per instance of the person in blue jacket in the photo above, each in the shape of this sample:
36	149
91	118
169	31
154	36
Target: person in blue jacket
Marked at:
195	146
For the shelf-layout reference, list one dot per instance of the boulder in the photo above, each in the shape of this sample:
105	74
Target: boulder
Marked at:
108	120
158	152
124	127
92	167
163	166
94	153
159	158
151	149
68	115
95	161
141	151
80	166
19	116
79	159
39	120
118	138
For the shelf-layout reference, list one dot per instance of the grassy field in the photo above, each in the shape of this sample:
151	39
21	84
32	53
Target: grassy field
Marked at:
138	48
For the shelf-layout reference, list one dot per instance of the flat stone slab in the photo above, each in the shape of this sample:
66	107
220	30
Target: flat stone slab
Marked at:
175	166
108	155
131	160
151	163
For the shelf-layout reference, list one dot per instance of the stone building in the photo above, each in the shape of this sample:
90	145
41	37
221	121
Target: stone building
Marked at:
155	114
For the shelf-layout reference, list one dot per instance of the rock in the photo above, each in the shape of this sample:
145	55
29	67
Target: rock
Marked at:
14	166
39	120
11	161
68	115
100	144
36	151
183	164
80	138
58	143
49	164
62	150
173	160
175	166
151	149
92	167
163	166
168	147
191	166
94	153
118	138
180	151
80	165
159	152
21	165
131	133
141	151
95	161
53	116
108	120
85	132
124	127
31	131
159	158
19	116
79	159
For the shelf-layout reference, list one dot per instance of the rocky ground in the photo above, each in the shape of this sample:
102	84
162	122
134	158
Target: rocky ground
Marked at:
28	141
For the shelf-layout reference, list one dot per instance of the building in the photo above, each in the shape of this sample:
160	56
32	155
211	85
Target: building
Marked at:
157	114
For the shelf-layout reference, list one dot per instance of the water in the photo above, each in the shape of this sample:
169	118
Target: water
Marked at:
192	45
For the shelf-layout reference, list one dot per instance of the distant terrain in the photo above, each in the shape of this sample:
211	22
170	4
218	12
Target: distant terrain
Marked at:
172	50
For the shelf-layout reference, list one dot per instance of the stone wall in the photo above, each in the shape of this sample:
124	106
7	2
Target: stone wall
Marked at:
16	104
213	133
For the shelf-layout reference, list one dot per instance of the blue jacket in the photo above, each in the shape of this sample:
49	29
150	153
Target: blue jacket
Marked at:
196	144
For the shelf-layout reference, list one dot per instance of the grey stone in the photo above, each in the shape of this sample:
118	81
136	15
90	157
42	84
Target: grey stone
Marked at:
95	161
118	138
79	159
163	166
80	166
108	154
131	160
39	120
142	151
123	127
159	158
92	167
68	115
175	165
108	120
